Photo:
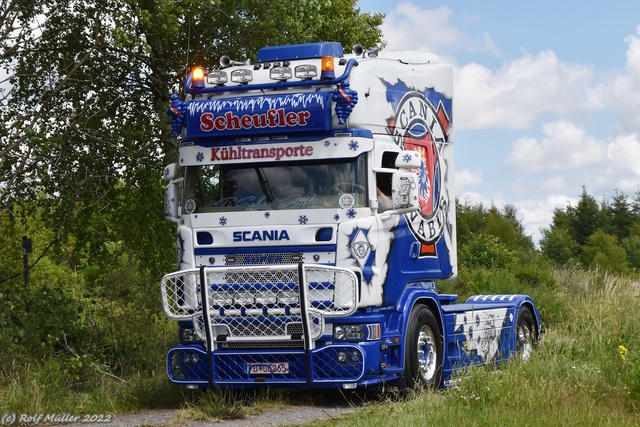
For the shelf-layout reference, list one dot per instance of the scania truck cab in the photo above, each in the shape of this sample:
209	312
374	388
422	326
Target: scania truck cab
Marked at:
315	211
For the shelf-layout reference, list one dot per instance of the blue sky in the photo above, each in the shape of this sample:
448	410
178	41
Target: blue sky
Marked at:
546	96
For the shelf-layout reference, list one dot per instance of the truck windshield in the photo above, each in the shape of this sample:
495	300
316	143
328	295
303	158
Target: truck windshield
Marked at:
340	183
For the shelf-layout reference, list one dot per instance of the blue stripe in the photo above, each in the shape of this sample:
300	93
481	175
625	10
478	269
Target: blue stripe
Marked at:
264	250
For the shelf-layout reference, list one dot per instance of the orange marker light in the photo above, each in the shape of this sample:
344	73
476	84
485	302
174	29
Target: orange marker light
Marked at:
197	74
327	69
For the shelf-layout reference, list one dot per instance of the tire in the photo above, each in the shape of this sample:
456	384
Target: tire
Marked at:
526	334
423	351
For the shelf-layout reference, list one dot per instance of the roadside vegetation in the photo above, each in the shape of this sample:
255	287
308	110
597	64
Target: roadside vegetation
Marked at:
94	337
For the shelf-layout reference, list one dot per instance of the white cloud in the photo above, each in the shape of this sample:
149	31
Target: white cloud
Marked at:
409	27
520	91
466	179
624	89
623	154
564	146
537	214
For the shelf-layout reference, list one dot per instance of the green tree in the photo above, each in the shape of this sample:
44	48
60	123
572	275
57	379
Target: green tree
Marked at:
91	85
602	250
503	224
620	215
558	245
631	246
586	217
506	226
483	250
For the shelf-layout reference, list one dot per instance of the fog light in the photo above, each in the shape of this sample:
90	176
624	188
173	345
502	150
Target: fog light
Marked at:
187	335
355	356
221	300
191	359
288	298
244	298
266	298
341	357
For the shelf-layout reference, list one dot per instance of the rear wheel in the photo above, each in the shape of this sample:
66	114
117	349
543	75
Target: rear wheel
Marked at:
526	335
423	352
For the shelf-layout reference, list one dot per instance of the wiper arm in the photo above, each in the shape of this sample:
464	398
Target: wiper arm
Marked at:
264	185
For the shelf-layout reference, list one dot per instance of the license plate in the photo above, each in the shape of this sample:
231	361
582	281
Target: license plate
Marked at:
268	368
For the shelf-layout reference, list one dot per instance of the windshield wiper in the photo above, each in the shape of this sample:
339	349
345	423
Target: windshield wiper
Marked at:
264	185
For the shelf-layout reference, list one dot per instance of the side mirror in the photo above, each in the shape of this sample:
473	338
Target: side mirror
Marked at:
170	172
405	183
171	192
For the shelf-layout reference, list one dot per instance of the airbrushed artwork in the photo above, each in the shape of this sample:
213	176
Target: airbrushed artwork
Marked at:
315	212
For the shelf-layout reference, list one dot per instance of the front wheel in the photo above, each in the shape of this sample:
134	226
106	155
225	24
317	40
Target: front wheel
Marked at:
423	352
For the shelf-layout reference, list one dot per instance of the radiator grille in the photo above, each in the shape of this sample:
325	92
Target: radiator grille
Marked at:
263	259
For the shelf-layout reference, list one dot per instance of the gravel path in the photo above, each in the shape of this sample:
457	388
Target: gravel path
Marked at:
273	417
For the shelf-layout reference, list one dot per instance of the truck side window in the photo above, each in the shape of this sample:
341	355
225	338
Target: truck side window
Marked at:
384	181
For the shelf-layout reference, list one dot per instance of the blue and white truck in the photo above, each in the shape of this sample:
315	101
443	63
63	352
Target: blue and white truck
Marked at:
315	211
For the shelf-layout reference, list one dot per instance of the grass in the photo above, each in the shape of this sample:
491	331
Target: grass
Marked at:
585	373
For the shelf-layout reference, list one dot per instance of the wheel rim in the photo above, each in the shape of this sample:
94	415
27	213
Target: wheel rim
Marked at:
426	353
524	346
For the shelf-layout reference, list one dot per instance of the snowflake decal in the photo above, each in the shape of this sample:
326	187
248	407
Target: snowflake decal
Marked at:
353	145
303	219
223	220
200	156
267	214
351	213
406	158
336	217
327	143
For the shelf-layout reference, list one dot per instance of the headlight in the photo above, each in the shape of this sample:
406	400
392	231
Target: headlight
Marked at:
370	332
217	77
355	332
280	73
306	71
241	76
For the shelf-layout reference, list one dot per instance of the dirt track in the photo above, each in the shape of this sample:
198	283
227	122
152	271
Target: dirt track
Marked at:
276	417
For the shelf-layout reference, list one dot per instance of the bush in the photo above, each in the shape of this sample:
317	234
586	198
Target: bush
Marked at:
483	250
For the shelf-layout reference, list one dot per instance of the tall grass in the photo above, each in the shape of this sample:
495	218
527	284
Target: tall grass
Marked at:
586	372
